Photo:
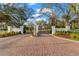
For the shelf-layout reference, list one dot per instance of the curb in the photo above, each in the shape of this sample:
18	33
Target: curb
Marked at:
66	39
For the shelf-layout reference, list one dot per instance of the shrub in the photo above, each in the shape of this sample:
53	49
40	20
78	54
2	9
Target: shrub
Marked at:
6	34
74	35
68	34
59	33
62	33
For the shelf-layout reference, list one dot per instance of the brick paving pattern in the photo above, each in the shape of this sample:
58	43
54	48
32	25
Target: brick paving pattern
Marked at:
45	45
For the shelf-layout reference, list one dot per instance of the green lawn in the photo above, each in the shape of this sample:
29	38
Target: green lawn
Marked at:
75	39
69	35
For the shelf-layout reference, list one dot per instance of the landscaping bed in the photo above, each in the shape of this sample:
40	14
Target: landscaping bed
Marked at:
7	34
68	35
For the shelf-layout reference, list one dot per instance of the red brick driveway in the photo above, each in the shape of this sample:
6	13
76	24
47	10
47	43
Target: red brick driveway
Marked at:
45	45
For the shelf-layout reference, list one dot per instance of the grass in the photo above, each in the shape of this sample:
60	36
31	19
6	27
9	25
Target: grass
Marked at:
69	35
75	39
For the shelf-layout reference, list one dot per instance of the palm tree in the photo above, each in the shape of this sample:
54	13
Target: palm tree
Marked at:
12	15
52	15
41	22
74	23
70	14
16	15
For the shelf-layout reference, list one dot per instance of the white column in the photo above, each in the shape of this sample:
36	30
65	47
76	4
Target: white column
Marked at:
21	29
34	30
37	30
53	29
67	28
9	28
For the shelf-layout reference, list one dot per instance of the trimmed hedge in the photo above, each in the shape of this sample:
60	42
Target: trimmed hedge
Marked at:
68	33
6	34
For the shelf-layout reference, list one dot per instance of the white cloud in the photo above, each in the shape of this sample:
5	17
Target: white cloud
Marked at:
36	15
38	10
39	19
42	18
32	3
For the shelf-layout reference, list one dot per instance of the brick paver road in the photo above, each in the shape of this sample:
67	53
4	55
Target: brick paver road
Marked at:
45	45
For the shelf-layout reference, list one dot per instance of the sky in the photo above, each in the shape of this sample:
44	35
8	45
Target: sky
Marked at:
37	6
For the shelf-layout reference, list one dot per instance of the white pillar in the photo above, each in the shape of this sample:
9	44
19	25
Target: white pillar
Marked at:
37	30
21	29
34	30
67	28
9	28
53	29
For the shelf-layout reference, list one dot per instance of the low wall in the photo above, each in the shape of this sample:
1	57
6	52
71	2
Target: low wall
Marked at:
61	29
16	29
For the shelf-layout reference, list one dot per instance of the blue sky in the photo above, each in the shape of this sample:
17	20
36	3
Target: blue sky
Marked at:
37	6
